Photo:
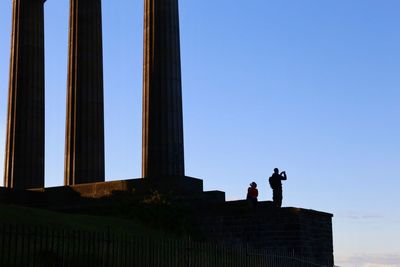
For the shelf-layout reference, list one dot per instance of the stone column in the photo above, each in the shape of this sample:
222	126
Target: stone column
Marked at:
84	148
24	155
162	144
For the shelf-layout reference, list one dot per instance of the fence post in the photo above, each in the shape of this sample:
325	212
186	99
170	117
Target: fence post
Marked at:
15	245
22	245
189	249
106	254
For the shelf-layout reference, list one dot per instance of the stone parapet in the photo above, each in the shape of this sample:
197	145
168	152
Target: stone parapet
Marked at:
290	230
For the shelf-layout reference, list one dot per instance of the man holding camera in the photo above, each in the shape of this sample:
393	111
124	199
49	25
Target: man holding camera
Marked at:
275	181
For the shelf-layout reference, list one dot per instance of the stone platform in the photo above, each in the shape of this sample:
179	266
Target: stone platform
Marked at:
89	195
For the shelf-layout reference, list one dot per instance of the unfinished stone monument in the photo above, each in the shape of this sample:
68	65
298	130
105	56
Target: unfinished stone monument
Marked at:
24	155
305	232
84	141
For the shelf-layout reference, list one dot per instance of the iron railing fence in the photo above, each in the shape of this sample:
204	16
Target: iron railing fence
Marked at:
33	246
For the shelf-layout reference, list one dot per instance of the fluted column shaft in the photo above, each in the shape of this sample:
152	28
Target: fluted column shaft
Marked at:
84	151
162	144
24	155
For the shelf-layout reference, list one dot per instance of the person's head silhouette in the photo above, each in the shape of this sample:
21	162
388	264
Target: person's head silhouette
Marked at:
276	170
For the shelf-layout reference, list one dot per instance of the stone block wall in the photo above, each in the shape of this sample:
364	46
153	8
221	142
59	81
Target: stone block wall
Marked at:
290	230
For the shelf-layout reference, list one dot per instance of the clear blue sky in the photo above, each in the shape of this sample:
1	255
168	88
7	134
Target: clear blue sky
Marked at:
310	86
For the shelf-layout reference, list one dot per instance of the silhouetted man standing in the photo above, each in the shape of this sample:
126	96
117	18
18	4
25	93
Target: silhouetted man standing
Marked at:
275	181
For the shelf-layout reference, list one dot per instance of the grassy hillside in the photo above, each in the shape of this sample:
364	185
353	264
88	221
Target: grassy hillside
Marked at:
153	216
39	217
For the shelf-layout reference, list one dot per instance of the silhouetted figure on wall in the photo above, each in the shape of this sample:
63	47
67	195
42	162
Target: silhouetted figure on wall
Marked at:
275	181
252	194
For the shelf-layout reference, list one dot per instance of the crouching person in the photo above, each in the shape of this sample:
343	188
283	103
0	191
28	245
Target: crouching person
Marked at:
252	194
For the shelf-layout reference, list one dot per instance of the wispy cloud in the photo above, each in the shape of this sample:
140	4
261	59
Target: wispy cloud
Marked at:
360	216
370	260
